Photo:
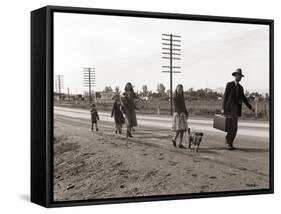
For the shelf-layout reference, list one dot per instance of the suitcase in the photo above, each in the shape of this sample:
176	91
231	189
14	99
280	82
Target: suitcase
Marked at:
222	122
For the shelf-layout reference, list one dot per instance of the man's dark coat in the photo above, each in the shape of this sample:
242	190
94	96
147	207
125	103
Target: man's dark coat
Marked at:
234	96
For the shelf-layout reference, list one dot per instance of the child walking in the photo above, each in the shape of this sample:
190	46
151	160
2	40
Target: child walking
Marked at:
118	115
94	117
180	116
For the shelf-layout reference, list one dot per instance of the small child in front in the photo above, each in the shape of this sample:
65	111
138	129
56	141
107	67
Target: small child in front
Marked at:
94	117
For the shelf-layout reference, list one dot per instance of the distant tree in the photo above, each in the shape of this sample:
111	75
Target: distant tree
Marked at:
161	89
247	93
191	93
107	89
255	94
145	90
117	90
201	93
266	97
168	92
210	94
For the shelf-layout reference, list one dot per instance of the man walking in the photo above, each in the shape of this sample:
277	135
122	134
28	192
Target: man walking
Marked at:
232	105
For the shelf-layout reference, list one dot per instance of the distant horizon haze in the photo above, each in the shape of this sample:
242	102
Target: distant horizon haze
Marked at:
129	49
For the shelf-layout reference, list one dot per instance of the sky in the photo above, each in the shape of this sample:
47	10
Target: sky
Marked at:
129	49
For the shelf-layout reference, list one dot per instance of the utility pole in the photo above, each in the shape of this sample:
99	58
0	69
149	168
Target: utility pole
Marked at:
89	80
59	84
68	95
171	49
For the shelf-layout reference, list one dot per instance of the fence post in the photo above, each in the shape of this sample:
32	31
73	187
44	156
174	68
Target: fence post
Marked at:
256	107
158	110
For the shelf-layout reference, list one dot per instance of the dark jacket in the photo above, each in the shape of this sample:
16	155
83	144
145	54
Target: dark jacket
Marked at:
117	113
94	115
234	96
128	100
179	104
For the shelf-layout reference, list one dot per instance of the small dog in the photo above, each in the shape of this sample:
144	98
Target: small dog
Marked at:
194	138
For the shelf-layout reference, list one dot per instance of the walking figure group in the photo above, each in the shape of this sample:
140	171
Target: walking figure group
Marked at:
124	104
231	106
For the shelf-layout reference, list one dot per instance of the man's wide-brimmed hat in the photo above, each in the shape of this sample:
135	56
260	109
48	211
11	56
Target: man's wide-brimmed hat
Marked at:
238	71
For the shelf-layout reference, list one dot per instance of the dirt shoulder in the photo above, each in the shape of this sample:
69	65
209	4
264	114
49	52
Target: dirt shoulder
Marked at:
105	165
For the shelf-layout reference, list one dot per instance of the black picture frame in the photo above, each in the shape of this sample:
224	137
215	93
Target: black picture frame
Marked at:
42	103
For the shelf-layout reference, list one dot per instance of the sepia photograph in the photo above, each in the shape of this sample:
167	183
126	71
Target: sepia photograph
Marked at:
157	107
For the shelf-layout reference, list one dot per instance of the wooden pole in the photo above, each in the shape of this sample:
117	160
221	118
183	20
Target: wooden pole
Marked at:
68	95
171	73
90	90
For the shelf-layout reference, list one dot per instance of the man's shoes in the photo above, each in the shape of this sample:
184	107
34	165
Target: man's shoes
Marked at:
230	147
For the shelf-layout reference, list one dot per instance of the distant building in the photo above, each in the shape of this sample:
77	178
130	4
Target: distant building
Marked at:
104	97
58	97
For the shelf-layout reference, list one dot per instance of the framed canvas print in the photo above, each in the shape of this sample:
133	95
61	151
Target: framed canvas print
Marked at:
131	106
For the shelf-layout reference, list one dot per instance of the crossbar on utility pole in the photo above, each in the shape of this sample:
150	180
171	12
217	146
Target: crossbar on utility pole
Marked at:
170	53
171	73
59	84
89	80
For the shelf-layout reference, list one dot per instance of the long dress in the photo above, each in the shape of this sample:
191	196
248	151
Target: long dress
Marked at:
129	108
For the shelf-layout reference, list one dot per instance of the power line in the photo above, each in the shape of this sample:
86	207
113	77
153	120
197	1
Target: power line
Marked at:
171	48
89	79
59	84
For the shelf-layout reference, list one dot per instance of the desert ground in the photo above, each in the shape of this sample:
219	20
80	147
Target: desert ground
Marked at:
94	165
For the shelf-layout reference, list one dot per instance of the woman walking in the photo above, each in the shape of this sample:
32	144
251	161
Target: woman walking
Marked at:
118	115
180	116
128	103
